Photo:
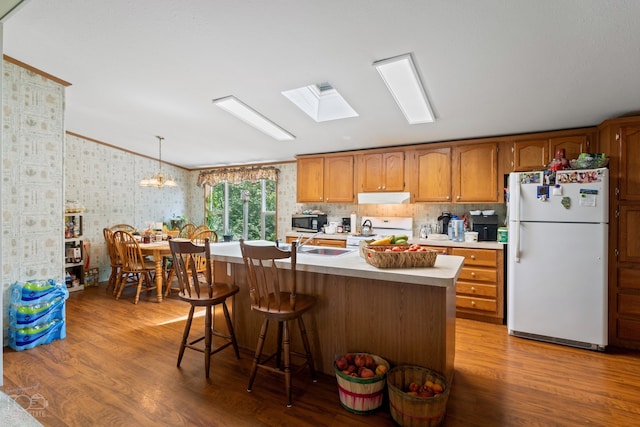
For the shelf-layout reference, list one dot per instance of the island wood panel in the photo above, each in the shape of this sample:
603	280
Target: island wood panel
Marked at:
402	323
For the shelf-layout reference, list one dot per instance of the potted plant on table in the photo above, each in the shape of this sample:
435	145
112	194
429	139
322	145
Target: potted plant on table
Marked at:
177	221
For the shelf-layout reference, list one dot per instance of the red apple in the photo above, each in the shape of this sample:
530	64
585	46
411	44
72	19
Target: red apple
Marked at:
342	363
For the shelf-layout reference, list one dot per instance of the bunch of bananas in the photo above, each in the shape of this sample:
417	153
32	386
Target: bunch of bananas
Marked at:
391	240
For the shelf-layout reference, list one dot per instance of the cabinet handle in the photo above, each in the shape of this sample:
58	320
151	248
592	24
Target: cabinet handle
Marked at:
384	187
473	257
473	274
473	289
473	303
448	197
458	198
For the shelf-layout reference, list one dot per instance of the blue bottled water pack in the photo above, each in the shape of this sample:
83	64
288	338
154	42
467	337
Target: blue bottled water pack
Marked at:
34	291
30	337
28	315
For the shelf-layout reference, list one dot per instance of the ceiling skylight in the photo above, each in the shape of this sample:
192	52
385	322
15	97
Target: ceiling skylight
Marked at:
321	102
234	106
401	77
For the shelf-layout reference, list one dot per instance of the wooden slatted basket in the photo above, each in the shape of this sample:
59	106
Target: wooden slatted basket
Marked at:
378	256
362	395
414	411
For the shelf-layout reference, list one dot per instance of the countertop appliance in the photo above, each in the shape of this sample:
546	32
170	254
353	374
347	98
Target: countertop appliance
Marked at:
311	222
443	222
486	226
557	257
384	226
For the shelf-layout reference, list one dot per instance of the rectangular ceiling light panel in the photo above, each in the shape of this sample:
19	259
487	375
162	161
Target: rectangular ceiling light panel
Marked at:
321	104
248	115
401	77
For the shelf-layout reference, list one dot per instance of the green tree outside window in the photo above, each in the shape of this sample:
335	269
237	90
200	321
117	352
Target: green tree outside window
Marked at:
225	206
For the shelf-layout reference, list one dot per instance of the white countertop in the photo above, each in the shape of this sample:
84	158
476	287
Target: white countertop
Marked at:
452	244
426	242
443	273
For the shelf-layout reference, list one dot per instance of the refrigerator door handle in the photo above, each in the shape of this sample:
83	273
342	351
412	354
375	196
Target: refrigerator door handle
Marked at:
516	220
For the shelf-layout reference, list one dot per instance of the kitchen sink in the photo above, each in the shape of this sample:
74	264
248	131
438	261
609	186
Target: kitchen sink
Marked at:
318	250
325	251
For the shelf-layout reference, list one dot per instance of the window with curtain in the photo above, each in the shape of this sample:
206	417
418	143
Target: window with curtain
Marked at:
241	200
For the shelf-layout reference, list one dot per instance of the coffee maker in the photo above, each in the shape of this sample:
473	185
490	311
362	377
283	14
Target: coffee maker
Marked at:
346	225
443	222
487	227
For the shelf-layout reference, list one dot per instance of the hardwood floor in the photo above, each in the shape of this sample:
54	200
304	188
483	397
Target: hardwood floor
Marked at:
117	367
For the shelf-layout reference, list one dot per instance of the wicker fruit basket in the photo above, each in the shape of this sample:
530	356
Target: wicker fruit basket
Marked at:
378	256
414	411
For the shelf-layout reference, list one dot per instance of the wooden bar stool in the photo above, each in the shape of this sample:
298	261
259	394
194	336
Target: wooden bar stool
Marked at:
269	297
199	290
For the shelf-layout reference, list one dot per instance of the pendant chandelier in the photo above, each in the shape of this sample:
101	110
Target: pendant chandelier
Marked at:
158	180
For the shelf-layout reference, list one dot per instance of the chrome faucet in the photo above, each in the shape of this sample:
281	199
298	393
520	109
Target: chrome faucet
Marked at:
299	242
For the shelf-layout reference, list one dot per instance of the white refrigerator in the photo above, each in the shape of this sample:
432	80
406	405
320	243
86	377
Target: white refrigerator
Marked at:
557	257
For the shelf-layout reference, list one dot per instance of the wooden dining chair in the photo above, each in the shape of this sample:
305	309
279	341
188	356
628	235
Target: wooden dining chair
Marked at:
198	237
199	229
186	231
199	290
123	227
273	294
114	258
133	263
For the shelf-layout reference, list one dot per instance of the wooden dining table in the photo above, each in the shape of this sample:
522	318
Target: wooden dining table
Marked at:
157	250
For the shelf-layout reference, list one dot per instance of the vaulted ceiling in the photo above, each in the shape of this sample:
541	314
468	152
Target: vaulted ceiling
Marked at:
493	67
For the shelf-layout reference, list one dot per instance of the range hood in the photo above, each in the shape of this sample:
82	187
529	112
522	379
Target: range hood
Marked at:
389	198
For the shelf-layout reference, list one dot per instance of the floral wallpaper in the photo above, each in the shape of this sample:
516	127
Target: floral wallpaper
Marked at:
105	180
32	178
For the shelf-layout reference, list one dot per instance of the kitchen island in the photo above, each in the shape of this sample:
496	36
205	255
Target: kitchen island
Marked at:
406	316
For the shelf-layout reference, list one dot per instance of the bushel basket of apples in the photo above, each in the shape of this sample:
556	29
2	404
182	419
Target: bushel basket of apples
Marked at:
417	396
399	256
361	381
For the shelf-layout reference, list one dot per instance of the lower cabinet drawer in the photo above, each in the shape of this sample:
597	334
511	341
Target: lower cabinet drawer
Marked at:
440	249
483	304
482	274
476	289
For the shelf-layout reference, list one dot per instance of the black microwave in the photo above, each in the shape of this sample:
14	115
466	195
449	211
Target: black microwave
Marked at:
308	222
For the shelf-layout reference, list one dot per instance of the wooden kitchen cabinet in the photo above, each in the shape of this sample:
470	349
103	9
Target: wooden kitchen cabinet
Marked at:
382	171
475	173
442	250
431	175
572	145
620	140
530	155
537	153
480	286
310	180
326	179
629	138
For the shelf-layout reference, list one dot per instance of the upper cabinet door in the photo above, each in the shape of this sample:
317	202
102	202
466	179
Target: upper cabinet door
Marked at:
371	172
572	146
310	180
629	137
382	172
475	173
530	155
432	175
338	179
393	171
